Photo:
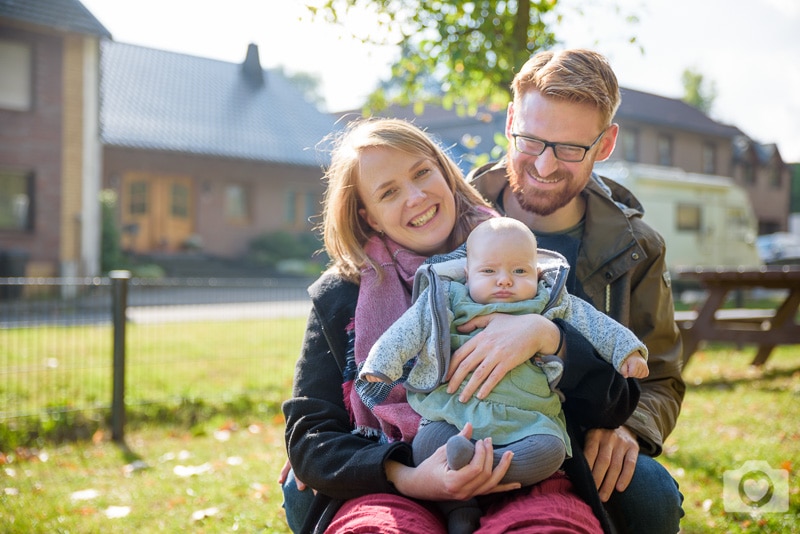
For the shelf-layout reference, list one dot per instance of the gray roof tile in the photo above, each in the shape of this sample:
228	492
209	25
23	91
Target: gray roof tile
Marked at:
159	100
659	110
65	15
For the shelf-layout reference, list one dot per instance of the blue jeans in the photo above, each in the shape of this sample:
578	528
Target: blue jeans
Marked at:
295	502
651	503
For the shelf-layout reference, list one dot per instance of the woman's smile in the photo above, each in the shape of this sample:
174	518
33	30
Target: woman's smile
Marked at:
425	217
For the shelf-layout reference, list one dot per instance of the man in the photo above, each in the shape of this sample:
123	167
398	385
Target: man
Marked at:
558	125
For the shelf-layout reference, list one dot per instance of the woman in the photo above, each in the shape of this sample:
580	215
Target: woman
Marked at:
393	199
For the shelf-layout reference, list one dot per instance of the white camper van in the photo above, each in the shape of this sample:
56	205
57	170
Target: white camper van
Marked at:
706	220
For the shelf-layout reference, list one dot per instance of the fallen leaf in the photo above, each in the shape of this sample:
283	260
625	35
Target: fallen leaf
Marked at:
134	467
116	512
84	495
707	505
191	470
222	435
230	426
259	490
175	502
199	515
786	465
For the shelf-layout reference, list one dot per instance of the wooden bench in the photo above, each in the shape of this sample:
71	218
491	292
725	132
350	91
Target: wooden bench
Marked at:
685	319
763	327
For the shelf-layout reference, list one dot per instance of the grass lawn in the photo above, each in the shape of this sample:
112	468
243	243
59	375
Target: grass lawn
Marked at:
733	414
219	474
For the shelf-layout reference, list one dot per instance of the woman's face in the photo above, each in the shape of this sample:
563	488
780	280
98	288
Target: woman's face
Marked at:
407	198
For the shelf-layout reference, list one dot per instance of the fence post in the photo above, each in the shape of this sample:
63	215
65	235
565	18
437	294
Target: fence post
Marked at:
119	303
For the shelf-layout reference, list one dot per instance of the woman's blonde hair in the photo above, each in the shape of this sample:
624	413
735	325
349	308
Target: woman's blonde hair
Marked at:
344	231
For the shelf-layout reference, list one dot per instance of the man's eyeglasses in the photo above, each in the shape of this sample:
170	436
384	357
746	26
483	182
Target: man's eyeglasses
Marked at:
564	152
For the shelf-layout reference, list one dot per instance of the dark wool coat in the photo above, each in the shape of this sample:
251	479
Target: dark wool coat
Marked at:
340	465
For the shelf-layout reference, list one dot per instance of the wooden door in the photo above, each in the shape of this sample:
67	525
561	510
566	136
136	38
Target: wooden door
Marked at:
157	212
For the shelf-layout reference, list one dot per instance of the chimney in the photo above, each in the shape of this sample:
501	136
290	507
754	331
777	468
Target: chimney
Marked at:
251	68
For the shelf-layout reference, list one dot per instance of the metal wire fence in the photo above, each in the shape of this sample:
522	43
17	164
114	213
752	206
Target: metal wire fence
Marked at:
80	350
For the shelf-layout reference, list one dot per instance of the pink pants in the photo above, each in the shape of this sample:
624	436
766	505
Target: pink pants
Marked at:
550	507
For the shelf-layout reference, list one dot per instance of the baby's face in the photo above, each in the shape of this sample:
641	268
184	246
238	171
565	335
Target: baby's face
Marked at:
501	269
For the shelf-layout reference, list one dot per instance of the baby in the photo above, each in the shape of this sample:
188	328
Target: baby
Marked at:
505	272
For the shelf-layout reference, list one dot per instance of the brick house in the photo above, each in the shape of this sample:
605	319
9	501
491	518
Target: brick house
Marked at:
669	132
206	153
760	169
201	153
49	140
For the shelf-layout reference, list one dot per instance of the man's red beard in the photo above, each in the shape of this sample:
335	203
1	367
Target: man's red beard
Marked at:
540	202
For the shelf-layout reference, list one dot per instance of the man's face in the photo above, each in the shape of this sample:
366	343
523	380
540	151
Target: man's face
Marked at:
544	184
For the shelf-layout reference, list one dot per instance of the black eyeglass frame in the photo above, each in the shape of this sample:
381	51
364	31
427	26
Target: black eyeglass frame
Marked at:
555	146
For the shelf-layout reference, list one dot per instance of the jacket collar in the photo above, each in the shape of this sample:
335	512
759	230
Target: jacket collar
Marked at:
605	255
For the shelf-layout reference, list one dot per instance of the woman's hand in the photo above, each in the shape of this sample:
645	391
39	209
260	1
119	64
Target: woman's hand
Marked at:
433	480
285	474
505	342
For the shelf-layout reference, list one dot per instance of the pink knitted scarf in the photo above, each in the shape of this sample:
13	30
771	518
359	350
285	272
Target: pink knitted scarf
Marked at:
380	303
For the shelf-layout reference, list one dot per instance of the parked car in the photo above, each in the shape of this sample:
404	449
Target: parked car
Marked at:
780	248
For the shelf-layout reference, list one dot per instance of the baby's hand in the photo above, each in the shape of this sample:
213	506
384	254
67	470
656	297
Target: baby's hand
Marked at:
634	366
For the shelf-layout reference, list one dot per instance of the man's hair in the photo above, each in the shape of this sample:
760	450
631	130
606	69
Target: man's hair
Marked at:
577	75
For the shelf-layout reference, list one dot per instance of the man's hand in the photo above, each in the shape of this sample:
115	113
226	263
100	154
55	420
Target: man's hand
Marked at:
505	342
612	456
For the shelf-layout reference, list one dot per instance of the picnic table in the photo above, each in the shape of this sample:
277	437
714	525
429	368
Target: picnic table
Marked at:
766	328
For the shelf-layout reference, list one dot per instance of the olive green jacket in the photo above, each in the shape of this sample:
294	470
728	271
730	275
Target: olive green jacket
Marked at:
622	268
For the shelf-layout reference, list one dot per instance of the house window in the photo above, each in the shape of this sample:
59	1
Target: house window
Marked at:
665	150
179	205
137	204
301	208
775	176
16	192
688	217
291	207
312	206
709	158
630	145
16	64
236	209
748	173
